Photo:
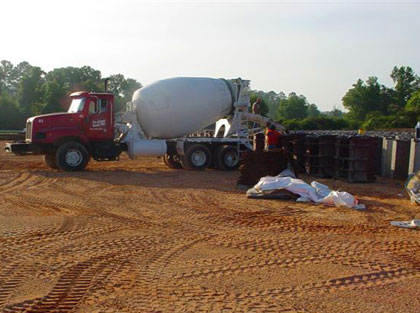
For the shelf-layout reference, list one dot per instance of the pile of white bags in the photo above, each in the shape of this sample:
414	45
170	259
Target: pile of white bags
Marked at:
316	192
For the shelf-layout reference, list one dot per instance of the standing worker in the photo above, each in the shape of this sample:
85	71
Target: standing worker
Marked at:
256	106
273	137
255	109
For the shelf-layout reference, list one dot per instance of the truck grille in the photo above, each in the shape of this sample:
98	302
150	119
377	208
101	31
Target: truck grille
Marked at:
28	131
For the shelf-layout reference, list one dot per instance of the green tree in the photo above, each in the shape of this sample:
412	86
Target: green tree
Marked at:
6	70
317	123
60	82
54	97
406	83
313	110
294	107
367	97
122	89
29	92
10	76
38	92
77	78
334	113
413	104
130	86
10	117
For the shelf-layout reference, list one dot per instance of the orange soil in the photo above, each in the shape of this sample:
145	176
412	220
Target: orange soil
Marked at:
135	236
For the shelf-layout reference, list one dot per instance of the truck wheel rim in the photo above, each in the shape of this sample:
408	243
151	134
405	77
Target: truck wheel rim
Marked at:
231	158
198	158
74	157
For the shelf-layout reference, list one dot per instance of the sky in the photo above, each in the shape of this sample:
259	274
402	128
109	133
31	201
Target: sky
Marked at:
315	48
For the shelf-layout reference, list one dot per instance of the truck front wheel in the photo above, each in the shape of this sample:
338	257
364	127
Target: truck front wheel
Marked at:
49	159
72	156
197	157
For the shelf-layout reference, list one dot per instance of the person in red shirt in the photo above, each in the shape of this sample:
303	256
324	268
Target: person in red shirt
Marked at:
273	137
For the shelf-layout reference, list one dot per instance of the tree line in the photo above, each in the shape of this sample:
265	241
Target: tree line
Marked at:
370	105
27	90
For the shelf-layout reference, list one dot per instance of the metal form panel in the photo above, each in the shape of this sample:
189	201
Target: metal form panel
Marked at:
355	159
386	157
378	154
400	159
414	164
299	152
287	142
259	142
326	153
320	153
311	155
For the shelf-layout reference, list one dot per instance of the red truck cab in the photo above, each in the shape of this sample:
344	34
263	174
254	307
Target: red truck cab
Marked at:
68	139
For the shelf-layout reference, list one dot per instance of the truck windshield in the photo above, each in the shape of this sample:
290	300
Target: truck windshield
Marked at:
76	105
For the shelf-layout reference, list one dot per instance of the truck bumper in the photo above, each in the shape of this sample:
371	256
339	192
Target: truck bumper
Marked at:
21	148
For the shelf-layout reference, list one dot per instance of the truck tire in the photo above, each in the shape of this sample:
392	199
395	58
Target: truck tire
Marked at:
172	160
196	157
49	159
72	156
226	158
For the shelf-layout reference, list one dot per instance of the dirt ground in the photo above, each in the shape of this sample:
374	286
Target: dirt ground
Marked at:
135	236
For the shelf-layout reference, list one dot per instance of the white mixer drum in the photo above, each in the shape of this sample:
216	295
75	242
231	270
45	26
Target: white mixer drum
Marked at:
178	106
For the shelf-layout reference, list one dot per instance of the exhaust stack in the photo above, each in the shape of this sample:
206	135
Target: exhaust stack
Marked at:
106	84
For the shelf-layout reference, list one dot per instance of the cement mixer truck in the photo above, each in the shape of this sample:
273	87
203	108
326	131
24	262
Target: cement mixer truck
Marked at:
160	121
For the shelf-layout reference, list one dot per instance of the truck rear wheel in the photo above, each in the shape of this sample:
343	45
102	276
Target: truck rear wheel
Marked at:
197	157
226	158
72	156
49	159
172	160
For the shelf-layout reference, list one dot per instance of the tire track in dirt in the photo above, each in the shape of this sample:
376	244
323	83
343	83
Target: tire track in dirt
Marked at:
391	269
7	177
348	254
15	182
46	245
266	220
101	211
186	293
10	278
165	207
361	281
135	246
146	278
104	260
67	292
148	292
107	220
25	180
295	252
183	247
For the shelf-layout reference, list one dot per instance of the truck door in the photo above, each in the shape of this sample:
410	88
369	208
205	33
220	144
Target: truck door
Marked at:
99	126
